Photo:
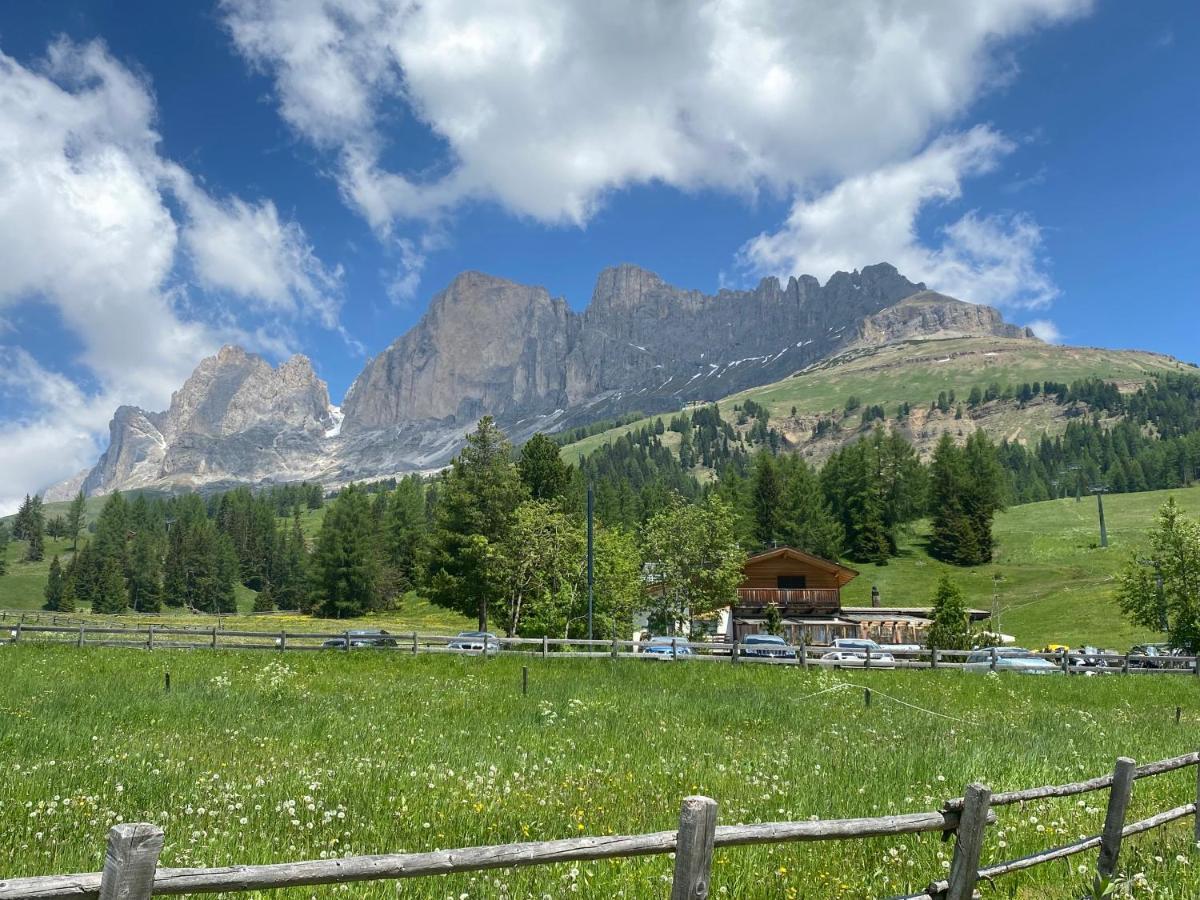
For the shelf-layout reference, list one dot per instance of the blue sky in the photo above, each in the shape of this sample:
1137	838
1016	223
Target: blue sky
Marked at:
303	176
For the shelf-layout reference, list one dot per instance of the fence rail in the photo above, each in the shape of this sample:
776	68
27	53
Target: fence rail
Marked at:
131	872
153	636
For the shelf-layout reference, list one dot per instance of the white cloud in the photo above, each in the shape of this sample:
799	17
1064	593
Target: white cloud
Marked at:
246	249
1046	330
545	105
985	259
61	439
86	227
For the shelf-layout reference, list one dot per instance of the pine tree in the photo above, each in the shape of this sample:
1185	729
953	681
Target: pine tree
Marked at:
3	548
35	551
406	530
54	587
75	516
145	573
767	497
110	590
264	601
807	523
291	581
542	470
952	529
476	507
951	628
344	571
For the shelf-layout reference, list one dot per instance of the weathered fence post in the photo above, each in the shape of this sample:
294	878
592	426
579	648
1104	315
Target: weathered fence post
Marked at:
282	641
414	643
734	653
17	631
149	637
1125	664
545	646
933	660
964	868
130	860
214	637
1114	817
614	647
1065	661
694	849
803	654
79	642
674	648
867	661
1196	821
994	659
346	641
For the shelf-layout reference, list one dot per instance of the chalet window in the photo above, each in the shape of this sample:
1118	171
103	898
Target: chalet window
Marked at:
791	582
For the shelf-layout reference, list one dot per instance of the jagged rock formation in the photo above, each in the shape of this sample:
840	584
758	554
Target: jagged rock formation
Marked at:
490	346
930	315
236	419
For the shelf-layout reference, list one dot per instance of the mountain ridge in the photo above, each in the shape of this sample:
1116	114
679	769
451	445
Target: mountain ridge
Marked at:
488	345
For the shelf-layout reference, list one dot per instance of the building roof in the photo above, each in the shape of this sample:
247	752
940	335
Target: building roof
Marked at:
844	574
894	612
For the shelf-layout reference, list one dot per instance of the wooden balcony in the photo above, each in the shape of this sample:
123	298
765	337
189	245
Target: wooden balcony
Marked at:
789	599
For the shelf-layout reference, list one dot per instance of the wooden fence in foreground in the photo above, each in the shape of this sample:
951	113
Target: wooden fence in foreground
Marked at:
81	633
131	869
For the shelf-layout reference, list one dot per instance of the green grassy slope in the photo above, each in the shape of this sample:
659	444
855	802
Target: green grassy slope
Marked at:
916	371
1056	584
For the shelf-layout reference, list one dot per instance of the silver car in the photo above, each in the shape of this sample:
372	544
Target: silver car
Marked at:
852	652
1011	659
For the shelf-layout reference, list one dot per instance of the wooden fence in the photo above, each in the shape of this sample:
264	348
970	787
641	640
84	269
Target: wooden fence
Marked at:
131	869
80	632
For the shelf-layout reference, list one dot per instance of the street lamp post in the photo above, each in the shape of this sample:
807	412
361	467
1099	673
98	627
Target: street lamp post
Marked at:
590	559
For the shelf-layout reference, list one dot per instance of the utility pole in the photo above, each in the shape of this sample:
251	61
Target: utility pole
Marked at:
590	558
1100	490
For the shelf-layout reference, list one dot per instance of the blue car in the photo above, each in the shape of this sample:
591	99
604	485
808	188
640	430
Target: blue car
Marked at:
661	648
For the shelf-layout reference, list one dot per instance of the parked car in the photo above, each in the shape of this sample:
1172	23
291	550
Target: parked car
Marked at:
468	641
662	648
766	646
1154	656
361	639
1011	659
848	652
1088	661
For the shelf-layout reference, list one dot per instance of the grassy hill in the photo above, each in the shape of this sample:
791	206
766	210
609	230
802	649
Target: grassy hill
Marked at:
1056	584
916	371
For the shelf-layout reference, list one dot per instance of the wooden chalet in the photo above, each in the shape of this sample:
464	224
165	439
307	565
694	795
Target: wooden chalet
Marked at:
806	589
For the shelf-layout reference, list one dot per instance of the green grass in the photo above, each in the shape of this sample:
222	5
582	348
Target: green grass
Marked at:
917	371
263	758
1056	584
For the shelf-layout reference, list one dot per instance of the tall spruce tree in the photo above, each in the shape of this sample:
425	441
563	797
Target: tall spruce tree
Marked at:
542	470
406	530
768	499
54	587
476	508
806	522
145	572
75	517
344	571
